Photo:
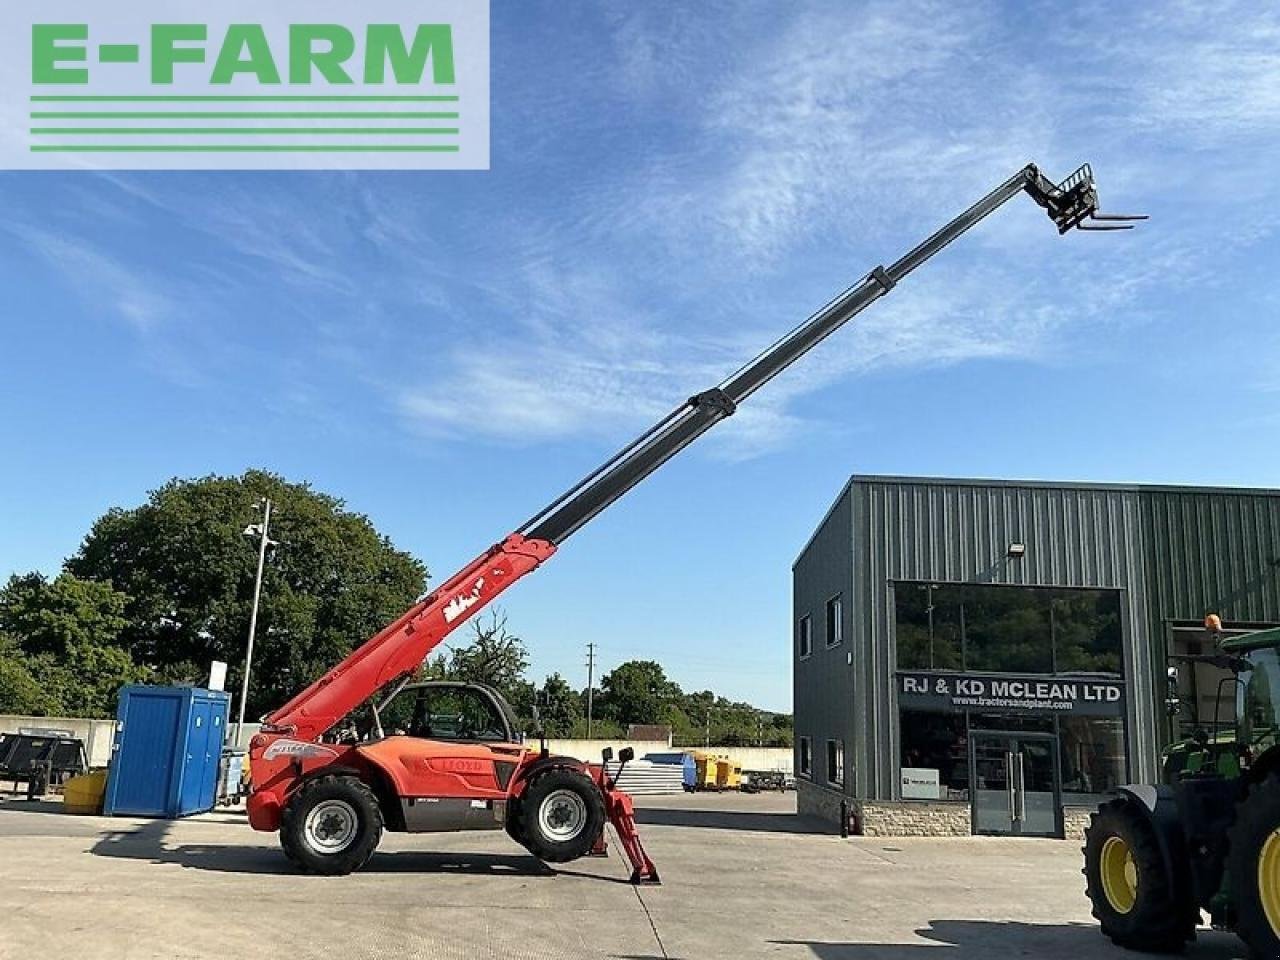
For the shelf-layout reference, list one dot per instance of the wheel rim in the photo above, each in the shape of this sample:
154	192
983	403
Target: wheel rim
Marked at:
563	815
1119	874
330	826
1269	880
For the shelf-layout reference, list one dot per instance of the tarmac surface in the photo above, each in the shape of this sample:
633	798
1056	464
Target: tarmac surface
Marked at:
743	876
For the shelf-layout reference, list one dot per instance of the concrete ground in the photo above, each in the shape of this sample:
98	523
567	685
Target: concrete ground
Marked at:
743	877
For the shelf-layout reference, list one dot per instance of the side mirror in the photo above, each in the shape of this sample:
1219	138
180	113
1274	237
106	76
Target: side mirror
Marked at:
627	754
606	754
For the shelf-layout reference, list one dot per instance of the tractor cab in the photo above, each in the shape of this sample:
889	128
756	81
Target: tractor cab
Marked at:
1258	693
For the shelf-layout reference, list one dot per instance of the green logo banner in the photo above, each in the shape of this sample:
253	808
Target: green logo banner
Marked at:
387	84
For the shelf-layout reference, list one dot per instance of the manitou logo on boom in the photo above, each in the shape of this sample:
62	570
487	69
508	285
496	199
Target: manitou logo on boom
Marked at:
463	602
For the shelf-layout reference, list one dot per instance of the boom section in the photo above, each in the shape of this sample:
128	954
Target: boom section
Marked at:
1069	204
399	649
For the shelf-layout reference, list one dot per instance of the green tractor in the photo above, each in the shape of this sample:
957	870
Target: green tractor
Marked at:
1208	838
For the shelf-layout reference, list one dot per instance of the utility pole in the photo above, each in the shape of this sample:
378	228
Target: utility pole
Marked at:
259	530
706	743
591	683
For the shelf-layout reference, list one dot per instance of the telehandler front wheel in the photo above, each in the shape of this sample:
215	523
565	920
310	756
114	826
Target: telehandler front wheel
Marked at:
1133	898
331	825
561	815
1253	868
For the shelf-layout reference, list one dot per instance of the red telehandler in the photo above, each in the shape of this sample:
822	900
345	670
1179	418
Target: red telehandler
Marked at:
362	749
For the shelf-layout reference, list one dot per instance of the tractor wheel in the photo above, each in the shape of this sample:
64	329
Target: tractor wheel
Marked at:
1253	868
331	825
1133	898
561	814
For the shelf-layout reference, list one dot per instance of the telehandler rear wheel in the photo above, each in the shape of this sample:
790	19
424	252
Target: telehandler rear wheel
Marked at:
1133	898
561	814
1253	868
331	825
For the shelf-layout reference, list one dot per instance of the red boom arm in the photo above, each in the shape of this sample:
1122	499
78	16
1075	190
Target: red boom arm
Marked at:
400	648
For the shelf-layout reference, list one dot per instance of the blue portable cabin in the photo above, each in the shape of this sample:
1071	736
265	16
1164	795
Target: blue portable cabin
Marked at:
168	747
685	760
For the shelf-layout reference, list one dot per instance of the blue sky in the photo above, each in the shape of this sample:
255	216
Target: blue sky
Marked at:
672	186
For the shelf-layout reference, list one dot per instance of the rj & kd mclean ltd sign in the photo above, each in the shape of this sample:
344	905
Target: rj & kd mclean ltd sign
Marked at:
1091	696
144	84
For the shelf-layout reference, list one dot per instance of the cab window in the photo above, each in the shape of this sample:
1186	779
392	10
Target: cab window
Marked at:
445	713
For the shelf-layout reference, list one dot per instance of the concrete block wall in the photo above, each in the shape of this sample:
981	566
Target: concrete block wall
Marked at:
914	818
1074	820
910	818
813	800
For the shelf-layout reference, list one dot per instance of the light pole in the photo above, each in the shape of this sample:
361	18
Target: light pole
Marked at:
591	682
259	530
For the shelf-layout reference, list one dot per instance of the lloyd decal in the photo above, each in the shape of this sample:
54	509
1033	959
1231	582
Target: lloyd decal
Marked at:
298	750
463	602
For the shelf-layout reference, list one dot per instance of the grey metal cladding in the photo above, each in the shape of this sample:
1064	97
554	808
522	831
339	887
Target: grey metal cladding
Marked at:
1212	551
823	688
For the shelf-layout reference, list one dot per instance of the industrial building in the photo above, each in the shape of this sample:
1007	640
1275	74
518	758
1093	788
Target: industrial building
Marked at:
990	656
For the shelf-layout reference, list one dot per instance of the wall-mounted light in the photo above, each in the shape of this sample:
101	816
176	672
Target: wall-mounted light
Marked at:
1016	550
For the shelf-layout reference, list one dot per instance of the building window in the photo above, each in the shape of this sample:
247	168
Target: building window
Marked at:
835	621
835	761
1092	752
1007	629
935	747
804	636
806	757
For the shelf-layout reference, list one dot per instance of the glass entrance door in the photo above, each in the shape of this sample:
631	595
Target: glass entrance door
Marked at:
1016	790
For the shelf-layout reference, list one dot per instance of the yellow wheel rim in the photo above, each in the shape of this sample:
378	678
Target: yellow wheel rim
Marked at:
1269	881
1120	874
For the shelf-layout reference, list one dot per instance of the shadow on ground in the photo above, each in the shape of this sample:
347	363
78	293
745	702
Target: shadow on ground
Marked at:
731	820
20	804
988	939
147	843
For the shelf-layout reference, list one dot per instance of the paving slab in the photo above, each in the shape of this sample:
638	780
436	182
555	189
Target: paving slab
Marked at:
743	876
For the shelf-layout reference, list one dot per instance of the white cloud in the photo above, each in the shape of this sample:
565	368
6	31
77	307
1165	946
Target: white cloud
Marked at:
132	295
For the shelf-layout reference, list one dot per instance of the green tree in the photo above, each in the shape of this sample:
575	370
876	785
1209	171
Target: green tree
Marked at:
20	692
188	571
52	616
495	656
560	706
62	652
637	691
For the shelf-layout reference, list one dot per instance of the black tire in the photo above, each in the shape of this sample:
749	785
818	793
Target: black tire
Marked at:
331	825
561	815
1143	909
514	825
1257	827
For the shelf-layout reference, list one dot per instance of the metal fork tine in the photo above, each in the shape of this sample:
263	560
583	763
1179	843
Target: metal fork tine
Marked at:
1121	216
1099	227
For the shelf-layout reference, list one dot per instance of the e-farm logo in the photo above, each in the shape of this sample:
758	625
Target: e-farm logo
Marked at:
286	84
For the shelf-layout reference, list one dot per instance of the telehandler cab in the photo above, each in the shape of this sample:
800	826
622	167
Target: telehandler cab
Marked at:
456	762
1208	837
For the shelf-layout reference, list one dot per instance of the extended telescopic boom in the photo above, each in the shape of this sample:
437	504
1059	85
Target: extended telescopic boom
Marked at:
400	649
